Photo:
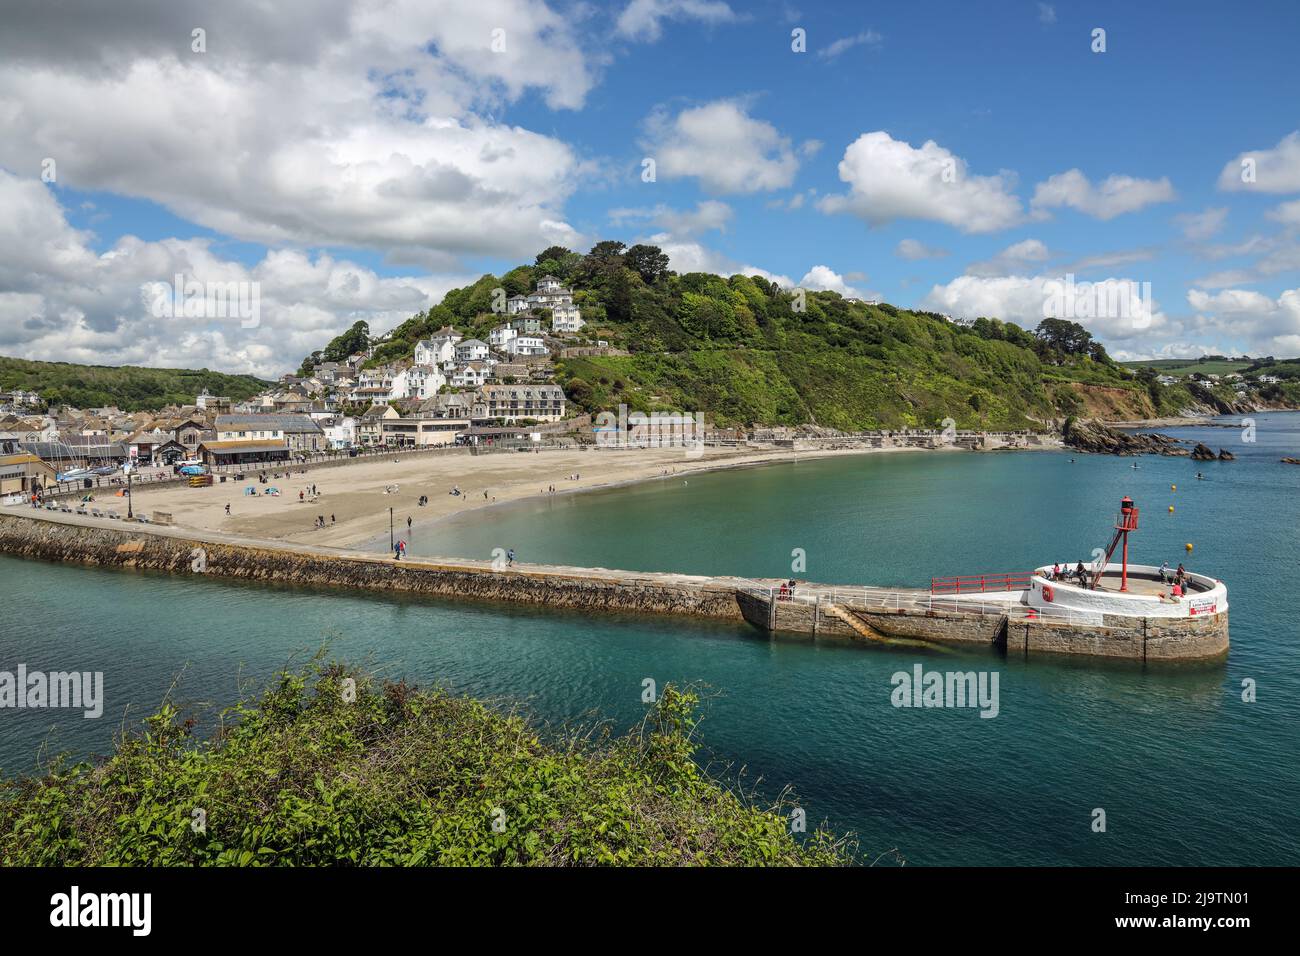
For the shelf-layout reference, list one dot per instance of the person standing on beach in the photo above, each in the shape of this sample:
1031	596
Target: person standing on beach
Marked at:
510	558
408	522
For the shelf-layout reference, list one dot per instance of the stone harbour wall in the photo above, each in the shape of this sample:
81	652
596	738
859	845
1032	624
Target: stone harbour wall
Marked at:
178	551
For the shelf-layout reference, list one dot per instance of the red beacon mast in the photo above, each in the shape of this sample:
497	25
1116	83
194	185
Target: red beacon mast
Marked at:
1125	521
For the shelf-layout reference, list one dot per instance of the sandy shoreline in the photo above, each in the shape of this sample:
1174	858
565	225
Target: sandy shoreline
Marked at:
354	502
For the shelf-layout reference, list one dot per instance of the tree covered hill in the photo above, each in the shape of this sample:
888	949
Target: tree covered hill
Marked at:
128	387
745	351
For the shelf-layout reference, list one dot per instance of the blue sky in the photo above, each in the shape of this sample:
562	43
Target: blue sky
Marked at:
356	159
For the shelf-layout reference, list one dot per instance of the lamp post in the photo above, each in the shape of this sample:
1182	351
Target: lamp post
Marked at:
390	529
130	513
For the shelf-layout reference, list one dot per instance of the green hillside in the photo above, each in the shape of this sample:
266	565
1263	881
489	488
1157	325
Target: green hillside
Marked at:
745	351
128	387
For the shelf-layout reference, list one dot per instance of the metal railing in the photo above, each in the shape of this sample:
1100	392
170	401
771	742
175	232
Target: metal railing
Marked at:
980	583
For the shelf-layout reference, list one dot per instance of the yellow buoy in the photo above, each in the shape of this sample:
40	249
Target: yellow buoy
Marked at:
1173	487
1188	546
1171	509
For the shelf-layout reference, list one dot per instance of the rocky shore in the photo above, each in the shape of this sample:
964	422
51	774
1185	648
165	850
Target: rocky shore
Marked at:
1100	439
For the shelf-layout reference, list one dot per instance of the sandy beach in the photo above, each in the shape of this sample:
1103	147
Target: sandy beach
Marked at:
354	498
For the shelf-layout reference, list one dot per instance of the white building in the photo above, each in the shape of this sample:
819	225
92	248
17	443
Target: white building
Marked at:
439	348
418	381
566	318
471	375
526	345
341	432
500	336
471	350
516	304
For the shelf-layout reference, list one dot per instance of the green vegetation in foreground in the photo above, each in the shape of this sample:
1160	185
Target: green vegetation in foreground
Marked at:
397	776
129	388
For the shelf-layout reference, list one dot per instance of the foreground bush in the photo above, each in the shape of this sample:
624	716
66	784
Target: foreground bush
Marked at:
331	768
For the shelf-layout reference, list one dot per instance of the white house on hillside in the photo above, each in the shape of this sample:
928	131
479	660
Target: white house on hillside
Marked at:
566	318
526	345
500	336
471	350
418	381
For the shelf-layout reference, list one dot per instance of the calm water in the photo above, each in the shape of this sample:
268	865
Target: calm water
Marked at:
1187	772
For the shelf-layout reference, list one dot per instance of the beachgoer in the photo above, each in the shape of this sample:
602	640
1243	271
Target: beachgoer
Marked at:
1164	573
1078	572
408	522
227	509
300	494
510	557
331	519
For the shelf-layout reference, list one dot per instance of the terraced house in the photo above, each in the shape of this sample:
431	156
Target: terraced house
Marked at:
543	403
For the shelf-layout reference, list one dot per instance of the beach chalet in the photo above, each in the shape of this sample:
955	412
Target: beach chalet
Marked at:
254	451
21	472
299	433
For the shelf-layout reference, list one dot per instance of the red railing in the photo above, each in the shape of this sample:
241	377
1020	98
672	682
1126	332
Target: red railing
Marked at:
975	583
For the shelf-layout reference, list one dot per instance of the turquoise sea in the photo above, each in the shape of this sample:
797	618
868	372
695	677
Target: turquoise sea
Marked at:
1187	772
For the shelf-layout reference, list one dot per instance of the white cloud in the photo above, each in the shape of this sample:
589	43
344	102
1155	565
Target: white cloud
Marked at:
1015	259
1113	197
843	44
1199	226
1113	309
913	250
1275	170
643	19
353	134
825	279
707	215
1046	13
62	301
722	146
1266	326
889	179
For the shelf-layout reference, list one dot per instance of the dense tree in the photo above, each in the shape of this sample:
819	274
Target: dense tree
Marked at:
356	339
649	262
1063	335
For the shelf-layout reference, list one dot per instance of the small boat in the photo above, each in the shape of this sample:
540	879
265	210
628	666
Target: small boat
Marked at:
72	474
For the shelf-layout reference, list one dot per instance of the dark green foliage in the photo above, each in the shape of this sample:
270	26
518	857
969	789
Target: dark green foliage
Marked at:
313	774
128	387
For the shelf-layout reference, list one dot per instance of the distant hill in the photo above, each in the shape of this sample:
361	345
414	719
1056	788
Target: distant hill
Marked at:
128	387
1180	367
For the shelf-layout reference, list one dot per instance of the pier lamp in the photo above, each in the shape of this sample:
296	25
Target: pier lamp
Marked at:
130	471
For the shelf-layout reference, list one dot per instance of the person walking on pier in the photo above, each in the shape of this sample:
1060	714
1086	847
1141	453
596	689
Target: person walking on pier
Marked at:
510	558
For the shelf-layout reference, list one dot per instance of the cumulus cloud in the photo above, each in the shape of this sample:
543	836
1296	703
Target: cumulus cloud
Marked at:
913	250
1113	309
1265	325
889	179
825	279
643	19
1112	197
63	301
359	124
722	146
1275	170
